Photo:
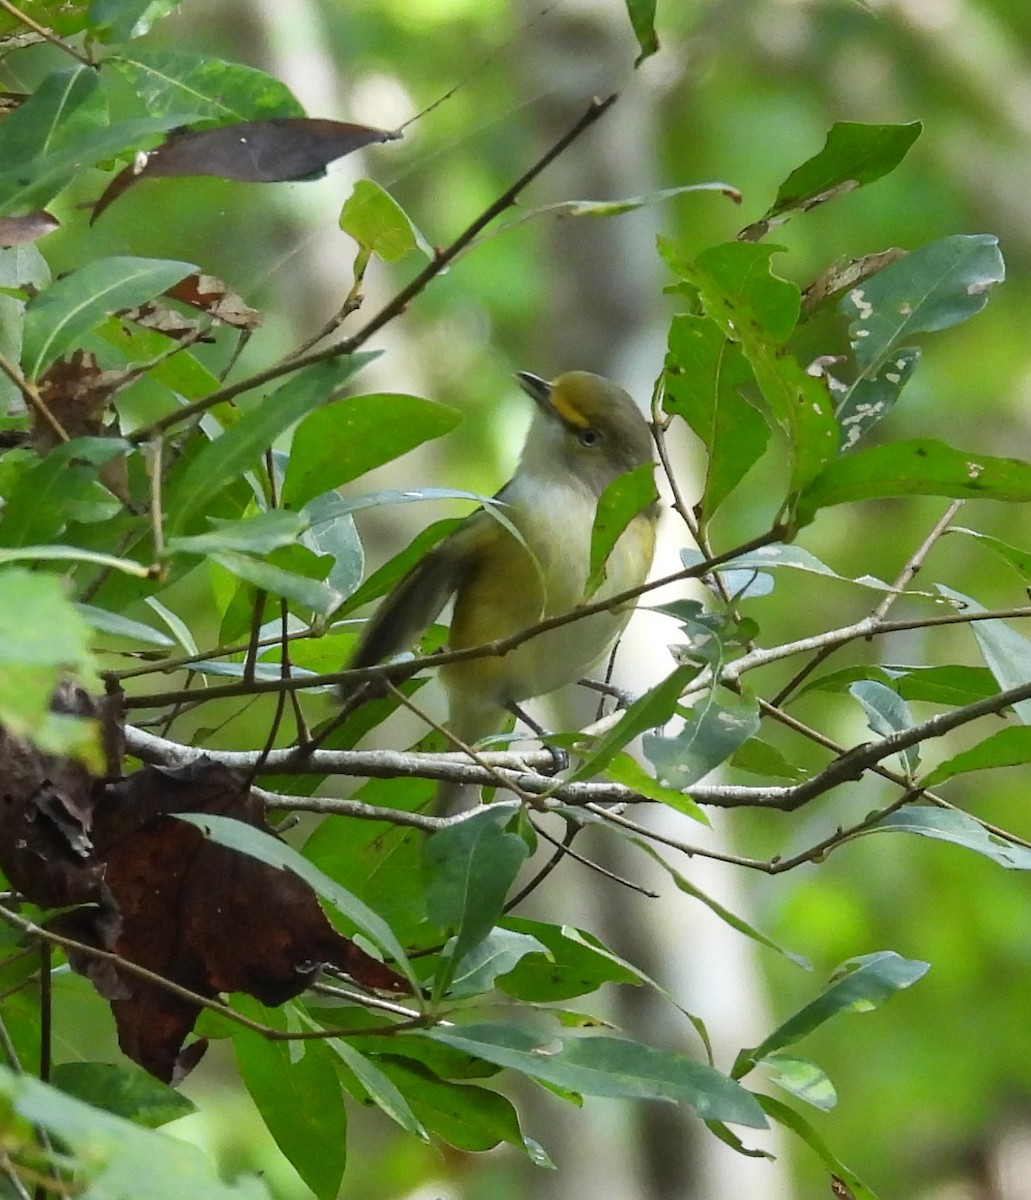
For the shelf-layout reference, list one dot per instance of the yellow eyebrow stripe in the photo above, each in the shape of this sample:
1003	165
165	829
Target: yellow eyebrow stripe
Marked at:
566	411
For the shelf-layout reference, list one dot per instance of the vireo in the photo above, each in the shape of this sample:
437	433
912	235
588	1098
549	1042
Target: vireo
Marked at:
586	432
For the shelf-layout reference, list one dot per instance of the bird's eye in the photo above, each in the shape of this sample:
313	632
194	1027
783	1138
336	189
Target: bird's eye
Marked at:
588	437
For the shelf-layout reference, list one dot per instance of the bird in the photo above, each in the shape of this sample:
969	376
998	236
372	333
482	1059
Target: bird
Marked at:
508	567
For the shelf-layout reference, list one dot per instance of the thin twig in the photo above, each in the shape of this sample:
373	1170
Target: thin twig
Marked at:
400	301
30	392
44	33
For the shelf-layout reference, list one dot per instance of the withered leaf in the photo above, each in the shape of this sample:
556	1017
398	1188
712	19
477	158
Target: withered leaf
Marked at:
17	231
211	295
78	394
203	916
271	151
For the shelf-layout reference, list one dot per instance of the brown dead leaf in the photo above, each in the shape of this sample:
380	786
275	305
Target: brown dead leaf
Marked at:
17	231
271	151
204	916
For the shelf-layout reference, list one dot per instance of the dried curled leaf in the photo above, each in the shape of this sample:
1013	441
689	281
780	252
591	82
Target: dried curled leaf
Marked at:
270	151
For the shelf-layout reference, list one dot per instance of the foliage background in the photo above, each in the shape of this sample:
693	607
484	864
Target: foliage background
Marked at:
742	90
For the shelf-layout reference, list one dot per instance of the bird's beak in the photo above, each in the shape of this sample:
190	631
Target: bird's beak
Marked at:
539	391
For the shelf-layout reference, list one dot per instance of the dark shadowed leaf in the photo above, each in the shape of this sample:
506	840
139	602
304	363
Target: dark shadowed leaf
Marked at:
933	288
123	1089
269	151
571	966
471	867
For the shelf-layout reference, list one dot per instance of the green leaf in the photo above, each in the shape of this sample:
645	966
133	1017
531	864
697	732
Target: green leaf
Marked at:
923	467
379	224
1006	652
379	1087
331	531
710	734
122	20
959	828
887	713
499	952
628	771
852	156
343	440
471	867
654	708
794	1121
302	590
180	82
795	558
1020	559
801	1078
114	1155
267	849
760	758
241	446
296	1089
933	288
259	534
758	310
467	1117
58	317
622	500
608	1066
42	638
574	963
102	621
704	375
642	18
943	685
859	985
61	130
1007	748
123	1089
872	395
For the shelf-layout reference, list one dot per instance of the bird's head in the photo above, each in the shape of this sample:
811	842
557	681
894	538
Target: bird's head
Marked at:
585	426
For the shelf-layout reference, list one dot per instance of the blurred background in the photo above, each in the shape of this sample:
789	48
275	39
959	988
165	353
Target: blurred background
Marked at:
935	1088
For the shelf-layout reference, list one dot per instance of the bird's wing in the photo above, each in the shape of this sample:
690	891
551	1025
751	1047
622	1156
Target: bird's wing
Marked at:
419	597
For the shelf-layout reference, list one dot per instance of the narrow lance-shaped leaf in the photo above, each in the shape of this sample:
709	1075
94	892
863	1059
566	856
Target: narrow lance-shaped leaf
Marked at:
608	1066
642	18
887	713
860	984
845	1176
959	828
1006	652
242	445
